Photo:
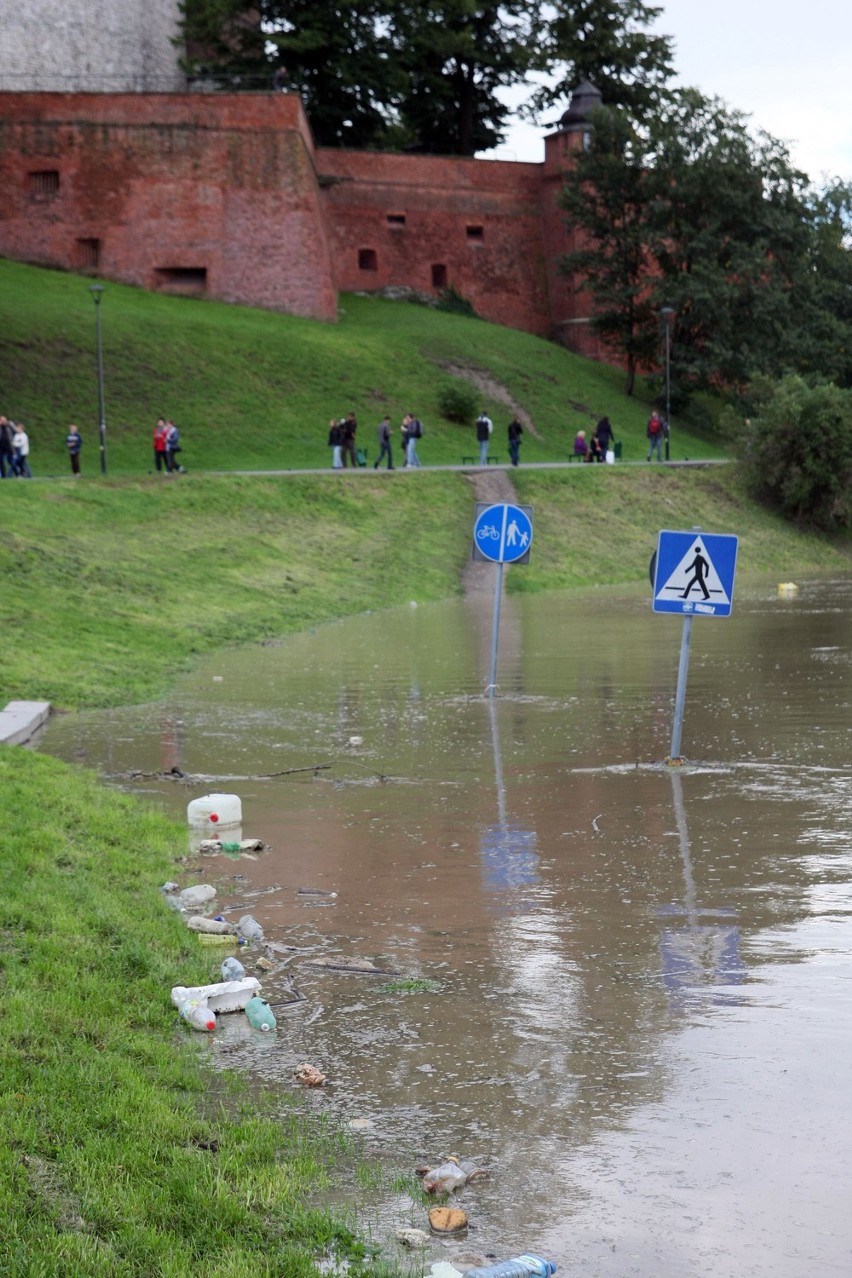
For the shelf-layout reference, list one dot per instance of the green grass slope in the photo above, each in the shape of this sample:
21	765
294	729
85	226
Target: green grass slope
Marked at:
252	389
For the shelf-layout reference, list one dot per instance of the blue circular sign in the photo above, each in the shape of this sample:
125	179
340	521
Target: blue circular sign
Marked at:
503	533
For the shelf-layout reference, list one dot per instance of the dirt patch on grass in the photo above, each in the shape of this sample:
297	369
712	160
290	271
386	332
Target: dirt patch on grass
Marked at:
491	387
491	486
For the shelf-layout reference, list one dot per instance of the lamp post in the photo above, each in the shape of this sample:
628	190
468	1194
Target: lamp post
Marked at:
667	312
96	291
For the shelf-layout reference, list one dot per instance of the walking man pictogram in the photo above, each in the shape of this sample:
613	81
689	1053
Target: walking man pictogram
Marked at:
698	567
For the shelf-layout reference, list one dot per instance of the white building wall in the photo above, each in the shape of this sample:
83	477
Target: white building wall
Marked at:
95	46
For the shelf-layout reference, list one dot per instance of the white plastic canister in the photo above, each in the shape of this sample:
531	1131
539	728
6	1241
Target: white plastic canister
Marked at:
214	812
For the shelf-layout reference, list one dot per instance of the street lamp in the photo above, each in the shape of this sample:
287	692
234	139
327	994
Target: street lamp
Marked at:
96	291
667	312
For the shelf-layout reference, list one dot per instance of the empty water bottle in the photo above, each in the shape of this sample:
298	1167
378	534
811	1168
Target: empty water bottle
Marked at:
232	970
517	1267
198	894
250	928
197	1014
260	1014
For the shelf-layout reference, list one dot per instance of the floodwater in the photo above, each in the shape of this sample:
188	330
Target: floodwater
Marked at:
643	1019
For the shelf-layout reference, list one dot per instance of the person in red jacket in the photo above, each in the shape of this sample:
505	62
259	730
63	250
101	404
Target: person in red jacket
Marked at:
161	434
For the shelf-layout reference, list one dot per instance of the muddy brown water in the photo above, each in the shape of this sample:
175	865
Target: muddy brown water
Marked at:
644	1020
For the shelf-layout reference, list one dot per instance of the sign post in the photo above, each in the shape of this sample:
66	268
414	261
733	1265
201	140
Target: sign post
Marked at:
693	574
502	534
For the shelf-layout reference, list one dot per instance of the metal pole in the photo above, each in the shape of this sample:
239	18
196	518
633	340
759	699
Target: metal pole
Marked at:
495	630
680	696
667	312
96	291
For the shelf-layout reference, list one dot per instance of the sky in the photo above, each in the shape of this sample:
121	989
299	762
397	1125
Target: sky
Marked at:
786	63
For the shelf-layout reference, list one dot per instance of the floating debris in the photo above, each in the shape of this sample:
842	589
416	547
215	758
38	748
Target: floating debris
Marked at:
309	1075
447	1220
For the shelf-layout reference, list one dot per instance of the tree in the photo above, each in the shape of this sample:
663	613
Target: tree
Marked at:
609	43
797	452
390	74
456	55
607	196
690	210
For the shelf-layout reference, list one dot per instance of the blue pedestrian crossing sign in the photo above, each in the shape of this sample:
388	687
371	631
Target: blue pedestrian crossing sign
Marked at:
503	533
694	573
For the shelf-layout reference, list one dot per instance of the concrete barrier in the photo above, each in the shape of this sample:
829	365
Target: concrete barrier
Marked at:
21	720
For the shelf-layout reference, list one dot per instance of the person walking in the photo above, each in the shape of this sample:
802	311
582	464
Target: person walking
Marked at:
7	452
172	448
334	438
161	431
484	427
655	435
515	431
415	432
21	452
384	432
348	427
74	442
606	438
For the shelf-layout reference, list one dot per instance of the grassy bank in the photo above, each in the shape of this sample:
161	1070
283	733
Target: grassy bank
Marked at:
117	1158
255	390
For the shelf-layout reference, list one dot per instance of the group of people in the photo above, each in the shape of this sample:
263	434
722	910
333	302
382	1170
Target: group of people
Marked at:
14	450
344	452
484	431
600	448
167	446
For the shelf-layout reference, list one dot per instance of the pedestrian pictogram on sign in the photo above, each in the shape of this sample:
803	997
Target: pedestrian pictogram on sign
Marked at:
695	573
503	533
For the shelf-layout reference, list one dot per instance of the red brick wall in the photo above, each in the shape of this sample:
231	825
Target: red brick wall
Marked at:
478	220
227	195
170	185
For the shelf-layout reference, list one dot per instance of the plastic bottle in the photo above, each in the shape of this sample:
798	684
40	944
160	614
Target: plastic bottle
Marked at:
232	970
517	1267
197	1014
260	1014
198	894
249	928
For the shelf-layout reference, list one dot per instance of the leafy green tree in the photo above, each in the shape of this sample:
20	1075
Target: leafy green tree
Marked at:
609	42
456	55
797	453
608	196
693	211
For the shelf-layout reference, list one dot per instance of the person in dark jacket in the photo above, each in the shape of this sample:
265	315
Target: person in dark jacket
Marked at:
516	430
74	443
7	452
605	436
348	427
384	432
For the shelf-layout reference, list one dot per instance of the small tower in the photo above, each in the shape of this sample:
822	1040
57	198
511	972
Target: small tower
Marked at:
575	126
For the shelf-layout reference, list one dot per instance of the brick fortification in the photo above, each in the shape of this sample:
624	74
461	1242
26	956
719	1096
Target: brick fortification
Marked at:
226	196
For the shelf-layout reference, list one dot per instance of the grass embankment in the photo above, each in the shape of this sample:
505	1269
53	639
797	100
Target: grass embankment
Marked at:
255	390
117	1158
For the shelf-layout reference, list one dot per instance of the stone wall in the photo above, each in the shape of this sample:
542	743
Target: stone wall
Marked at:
94	46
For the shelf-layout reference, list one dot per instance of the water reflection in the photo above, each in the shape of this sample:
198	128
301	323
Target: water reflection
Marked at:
509	857
697	956
644	1019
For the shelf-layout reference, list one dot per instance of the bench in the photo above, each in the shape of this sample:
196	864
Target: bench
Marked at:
467	460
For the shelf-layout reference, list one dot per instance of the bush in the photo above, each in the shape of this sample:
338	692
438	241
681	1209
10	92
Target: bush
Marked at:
456	303
458	402
797	453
